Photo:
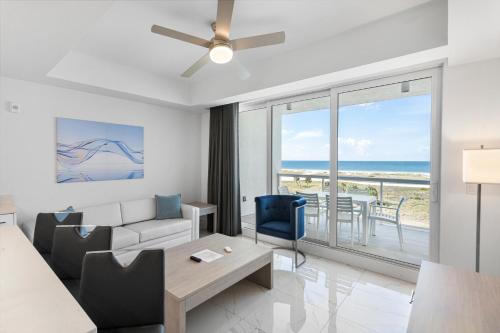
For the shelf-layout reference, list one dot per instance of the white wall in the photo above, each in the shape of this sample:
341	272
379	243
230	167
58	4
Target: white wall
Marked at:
471	117
28	148
253	157
205	133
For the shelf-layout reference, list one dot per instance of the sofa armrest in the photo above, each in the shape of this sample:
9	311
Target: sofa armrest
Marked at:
192	213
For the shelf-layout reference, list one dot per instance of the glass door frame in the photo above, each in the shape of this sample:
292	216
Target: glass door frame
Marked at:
273	188
435	146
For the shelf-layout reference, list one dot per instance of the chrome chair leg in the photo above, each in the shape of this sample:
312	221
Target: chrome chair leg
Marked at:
296	250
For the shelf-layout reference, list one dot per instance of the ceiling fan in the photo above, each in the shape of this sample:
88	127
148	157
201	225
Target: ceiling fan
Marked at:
220	47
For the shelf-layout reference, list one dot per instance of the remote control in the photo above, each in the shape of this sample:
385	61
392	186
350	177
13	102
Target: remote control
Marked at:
193	258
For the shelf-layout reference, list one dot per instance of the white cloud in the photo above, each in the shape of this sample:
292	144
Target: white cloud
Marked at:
360	146
307	135
365	104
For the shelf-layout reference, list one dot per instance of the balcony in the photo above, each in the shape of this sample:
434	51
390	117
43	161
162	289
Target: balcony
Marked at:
414	213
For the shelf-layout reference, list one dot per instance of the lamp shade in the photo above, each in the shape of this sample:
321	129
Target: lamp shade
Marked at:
481	166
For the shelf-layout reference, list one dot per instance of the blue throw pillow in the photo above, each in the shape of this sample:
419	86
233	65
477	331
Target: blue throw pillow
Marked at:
62	215
168	207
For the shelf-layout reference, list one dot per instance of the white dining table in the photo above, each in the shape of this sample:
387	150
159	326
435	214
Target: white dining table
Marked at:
364	201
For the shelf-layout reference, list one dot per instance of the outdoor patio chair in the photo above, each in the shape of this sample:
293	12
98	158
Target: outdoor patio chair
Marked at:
386	212
313	206
283	190
346	214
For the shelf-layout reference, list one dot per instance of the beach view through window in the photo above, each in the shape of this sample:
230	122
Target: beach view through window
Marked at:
383	168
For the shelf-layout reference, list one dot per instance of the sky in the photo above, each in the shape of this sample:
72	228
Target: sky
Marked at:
391	130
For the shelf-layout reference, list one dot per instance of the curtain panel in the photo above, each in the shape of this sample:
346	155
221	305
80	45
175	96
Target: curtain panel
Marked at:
223	168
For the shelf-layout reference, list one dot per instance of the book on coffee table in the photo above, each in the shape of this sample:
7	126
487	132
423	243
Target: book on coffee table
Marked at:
208	255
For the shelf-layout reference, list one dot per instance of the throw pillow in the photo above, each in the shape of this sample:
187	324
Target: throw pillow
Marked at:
62	215
168	207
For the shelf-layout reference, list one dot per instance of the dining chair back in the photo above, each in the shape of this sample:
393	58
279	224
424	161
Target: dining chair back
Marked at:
45	226
127	299
71	243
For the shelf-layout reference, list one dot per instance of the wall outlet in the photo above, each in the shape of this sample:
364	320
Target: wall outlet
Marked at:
244	198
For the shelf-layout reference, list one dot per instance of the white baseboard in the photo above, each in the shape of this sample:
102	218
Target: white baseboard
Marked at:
372	264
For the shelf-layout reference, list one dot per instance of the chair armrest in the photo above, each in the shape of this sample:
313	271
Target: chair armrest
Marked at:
297	206
192	213
298	203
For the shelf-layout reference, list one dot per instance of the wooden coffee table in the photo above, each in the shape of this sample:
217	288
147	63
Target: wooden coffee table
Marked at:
188	284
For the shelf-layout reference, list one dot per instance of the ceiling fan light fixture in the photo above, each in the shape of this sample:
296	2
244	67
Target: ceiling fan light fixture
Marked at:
221	53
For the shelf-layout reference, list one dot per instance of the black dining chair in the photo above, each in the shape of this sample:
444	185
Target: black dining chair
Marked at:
44	231
122	299
71	243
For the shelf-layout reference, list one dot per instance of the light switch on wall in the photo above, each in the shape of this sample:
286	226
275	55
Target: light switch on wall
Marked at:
13	107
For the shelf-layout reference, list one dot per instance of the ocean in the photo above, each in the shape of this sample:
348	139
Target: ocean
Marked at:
378	166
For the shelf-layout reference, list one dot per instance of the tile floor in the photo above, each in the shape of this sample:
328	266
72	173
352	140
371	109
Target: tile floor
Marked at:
321	296
384	244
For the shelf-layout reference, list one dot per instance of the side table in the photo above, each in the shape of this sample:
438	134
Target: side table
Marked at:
207	209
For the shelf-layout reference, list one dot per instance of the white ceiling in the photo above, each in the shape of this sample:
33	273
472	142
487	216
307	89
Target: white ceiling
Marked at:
122	34
107	47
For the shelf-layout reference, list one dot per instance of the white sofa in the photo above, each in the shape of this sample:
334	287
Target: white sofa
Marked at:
134	224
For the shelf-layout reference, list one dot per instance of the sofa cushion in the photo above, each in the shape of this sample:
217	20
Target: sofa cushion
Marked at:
138	210
123	237
168	207
109	214
159	228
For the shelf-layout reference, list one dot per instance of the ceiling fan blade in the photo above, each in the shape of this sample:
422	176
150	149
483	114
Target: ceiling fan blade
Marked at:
223	22
196	66
180	36
243	72
258	41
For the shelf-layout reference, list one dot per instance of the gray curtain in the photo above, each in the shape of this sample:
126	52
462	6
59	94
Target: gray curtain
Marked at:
223	168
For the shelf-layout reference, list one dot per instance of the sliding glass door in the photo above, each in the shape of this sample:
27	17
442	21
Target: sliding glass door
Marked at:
385	189
301	157
366	158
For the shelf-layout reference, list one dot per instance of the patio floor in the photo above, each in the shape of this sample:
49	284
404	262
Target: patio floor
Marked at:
385	243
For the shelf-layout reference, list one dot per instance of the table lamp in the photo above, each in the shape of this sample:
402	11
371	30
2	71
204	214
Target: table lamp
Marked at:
480	166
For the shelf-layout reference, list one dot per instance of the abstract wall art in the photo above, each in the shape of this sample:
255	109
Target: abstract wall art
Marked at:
93	151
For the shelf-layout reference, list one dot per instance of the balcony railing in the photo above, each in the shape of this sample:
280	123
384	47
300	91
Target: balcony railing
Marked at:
357	179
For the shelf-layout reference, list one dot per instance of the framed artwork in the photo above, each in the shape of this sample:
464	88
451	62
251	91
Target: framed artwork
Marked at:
93	151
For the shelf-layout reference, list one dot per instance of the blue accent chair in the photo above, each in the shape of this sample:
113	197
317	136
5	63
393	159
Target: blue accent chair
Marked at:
281	216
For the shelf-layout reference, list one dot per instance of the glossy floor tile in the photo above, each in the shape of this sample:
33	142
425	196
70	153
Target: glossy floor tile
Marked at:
321	296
